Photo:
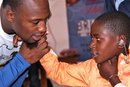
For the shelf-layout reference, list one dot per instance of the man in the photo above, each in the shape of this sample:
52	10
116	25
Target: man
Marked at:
110	39
27	19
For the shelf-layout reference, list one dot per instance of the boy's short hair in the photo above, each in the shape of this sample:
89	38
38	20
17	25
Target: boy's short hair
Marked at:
117	22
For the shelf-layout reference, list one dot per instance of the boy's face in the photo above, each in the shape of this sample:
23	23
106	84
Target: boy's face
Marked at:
104	43
30	20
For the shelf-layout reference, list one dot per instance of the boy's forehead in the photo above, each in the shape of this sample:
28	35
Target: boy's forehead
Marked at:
99	29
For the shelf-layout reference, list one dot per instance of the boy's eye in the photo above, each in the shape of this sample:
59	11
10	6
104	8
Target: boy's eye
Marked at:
98	39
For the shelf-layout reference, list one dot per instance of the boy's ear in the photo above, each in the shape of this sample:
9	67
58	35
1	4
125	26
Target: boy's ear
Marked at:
9	14
122	41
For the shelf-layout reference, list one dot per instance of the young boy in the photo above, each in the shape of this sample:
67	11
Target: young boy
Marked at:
110	65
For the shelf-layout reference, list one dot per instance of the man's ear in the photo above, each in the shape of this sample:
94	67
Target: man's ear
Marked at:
9	14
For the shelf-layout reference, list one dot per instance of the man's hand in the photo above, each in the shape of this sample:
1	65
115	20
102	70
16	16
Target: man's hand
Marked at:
109	71
34	52
16	39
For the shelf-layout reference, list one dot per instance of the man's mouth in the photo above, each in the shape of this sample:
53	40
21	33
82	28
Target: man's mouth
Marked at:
37	37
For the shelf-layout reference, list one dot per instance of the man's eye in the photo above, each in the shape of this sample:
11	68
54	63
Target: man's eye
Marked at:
35	22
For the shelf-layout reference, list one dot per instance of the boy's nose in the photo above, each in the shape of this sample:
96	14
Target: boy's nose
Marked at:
92	44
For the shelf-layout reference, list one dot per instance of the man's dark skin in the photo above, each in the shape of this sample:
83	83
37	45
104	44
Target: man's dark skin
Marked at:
34	35
27	20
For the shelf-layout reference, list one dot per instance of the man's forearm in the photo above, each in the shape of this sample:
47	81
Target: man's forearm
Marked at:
10	72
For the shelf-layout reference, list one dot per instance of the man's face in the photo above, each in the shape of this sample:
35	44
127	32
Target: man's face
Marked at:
104	43
30	20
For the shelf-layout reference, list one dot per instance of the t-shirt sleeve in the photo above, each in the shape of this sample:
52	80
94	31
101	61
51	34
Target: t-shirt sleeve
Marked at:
11	71
64	73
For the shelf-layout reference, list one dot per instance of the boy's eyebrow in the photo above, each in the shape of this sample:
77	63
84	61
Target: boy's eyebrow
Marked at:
94	35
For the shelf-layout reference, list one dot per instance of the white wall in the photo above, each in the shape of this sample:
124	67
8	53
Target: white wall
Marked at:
58	36
0	2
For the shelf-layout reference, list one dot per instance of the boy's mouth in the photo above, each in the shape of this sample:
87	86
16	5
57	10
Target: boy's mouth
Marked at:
94	53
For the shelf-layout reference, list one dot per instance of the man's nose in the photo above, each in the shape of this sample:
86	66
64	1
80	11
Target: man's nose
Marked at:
42	27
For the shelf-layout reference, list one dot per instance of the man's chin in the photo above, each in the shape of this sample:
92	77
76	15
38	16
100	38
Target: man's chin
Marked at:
30	41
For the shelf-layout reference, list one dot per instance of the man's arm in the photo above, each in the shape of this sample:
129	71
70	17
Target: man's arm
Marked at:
19	82
28	54
12	70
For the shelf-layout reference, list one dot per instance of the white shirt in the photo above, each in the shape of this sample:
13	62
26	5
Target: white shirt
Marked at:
6	46
117	3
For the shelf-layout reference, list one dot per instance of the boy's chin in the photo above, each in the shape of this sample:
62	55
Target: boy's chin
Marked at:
98	60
